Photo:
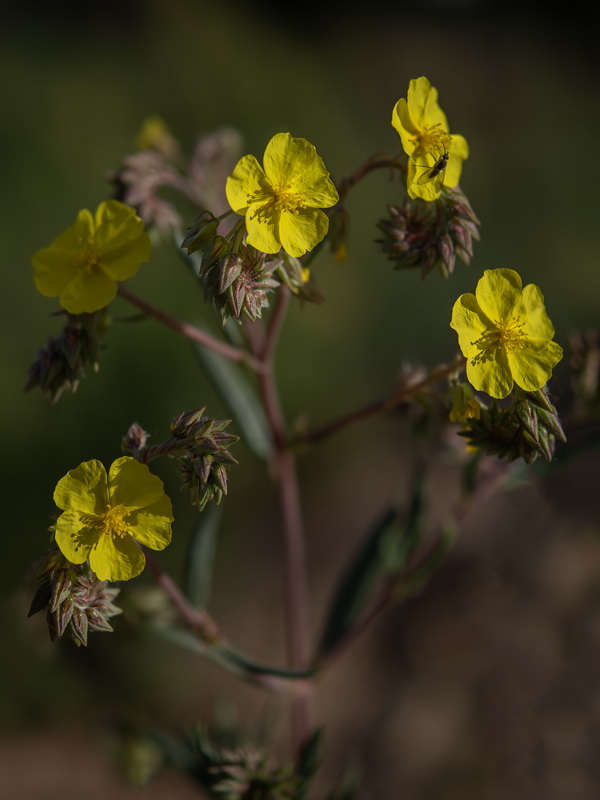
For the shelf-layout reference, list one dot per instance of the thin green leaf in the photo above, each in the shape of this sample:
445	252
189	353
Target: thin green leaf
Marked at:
240	399
226	657
433	560
358	582
309	761
200	557
387	549
399	546
253	668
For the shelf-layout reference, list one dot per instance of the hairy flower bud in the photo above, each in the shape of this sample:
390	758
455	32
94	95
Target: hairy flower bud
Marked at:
63	361
243	771
75	601
528	428
237	284
426	235
135	440
201	232
201	446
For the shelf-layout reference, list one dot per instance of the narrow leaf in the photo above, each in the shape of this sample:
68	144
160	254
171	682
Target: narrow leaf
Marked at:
357	583
200	557
309	760
226	657
386	551
240	399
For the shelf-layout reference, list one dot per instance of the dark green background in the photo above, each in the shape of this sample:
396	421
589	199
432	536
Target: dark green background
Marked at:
519	83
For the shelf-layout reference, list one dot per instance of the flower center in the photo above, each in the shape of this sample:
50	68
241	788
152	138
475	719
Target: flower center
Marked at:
510	336
87	257
112	522
285	200
506	336
280	199
433	139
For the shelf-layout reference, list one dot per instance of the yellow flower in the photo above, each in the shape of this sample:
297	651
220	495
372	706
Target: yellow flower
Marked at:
505	334
464	404
82	265
427	140
281	202
103	517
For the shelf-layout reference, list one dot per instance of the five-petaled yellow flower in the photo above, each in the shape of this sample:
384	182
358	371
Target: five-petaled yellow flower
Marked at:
435	155
282	202
505	334
82	265
104	516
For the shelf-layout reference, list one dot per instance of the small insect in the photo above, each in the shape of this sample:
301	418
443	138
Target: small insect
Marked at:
436	171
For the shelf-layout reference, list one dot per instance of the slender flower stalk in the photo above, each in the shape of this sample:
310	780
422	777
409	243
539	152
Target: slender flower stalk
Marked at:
194	618
190	331
401	395
298	638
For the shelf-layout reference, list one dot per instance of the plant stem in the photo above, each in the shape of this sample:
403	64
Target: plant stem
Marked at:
297	628
401	395
190	331
194	618
389	590
370	165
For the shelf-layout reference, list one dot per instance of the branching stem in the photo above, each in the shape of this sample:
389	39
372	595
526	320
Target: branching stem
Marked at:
401	395
190	331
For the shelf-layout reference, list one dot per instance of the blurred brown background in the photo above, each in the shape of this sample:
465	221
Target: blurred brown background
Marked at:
485	685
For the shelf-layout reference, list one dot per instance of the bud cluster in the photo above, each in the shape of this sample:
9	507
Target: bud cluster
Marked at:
76	602
158	164
243	772
526	429
62	362
429	235
201	446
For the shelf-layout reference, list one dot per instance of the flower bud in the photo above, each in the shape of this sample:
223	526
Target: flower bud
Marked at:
76	602
200	233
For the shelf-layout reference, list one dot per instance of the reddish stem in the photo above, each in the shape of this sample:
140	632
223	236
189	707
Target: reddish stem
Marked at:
190	331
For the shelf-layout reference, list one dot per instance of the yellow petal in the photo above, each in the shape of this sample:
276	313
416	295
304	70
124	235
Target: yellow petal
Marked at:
74	535
80	233
302	231
90	290
497	292
56	266
246	185
492	374
315	186
84	488
287	158
116	558
405	125
470	324
530	310
532	365
458	151
423	105
121	240
262	224
151	526
132	485
54	269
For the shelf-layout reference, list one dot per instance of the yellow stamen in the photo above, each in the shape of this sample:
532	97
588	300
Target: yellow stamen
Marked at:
113	522
505	336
